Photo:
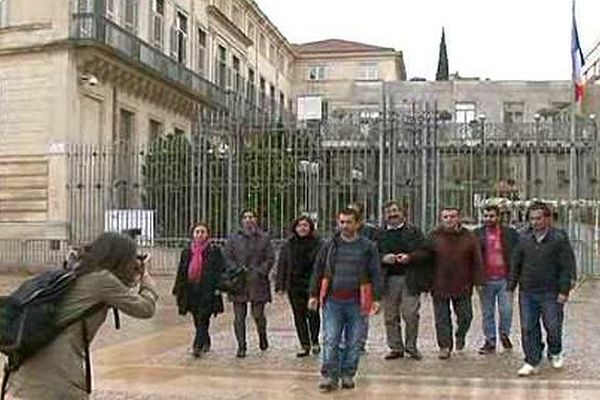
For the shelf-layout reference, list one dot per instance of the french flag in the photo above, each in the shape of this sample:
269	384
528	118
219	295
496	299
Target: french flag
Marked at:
576	60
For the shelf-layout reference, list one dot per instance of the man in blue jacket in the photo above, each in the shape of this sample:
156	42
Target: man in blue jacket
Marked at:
542	267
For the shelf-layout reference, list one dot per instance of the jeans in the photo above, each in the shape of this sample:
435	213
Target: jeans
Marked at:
534	306
201	323
443	320
495	292
240	310
307	321
400	304
341	318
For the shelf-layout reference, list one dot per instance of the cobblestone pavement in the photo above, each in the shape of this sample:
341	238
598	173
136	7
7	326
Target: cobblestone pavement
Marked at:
149	359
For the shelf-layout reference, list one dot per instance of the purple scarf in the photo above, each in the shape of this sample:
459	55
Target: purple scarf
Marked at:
197	261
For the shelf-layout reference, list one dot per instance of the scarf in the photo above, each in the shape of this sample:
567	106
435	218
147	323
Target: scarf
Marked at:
197	261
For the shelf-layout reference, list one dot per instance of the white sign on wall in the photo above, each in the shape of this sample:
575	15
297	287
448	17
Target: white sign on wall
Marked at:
310	108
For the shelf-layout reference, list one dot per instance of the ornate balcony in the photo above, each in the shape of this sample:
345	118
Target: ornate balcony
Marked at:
97	30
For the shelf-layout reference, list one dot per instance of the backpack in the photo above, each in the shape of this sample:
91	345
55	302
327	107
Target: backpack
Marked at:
28	319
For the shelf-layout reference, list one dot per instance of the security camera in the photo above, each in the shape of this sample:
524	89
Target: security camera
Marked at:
89	79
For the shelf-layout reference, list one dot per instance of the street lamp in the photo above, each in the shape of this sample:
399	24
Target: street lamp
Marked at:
481	118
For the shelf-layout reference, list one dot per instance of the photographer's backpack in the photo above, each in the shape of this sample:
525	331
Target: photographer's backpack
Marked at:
28	319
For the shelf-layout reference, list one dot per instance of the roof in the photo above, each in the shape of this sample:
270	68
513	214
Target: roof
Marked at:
338	46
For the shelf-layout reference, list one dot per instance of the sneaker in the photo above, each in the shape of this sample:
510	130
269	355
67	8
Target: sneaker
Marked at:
327	385
460	343
316	349
414	354
444	354
303	353
393	354
506	343
241	353
558	361
487	348
528	370
348	382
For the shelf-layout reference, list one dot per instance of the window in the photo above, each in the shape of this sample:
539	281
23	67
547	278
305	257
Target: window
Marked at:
273	55
179	33
3	13
237	75
222	4
262	93
201	61
222	67
272	99
513	112
251	91
130	15
156	130
236	16
316	73
111	11
157	14
251	31
368	71
464	113
262	45
281	104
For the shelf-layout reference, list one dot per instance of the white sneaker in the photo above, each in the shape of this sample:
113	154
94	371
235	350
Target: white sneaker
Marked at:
558	361
527	370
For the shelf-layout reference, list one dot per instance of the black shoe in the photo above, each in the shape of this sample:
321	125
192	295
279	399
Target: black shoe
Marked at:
263	343
197	352
348	382
303	353
487	348
316	349
206	348
393	354
414	354
241	353
444	354
460	343
506	343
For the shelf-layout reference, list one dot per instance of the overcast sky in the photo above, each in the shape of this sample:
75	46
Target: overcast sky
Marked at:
496	39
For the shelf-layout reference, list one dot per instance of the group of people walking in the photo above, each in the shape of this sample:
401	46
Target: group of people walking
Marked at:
363	268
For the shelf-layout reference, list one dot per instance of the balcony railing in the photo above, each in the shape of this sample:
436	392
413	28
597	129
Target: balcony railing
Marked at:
97	28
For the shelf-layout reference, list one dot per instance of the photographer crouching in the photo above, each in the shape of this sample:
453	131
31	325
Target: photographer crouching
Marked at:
106	274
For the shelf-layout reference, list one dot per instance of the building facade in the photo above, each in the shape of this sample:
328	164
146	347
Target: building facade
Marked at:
119	73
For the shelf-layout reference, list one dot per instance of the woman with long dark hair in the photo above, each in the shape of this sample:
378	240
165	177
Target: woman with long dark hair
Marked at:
200	267
107	272
293	276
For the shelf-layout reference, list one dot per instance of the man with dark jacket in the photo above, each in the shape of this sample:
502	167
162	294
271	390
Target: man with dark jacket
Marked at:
453	253
497	244
346	281
251	248
543	266
402	287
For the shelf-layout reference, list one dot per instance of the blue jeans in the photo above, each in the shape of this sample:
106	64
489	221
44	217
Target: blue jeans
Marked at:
533	307
495	292
341	319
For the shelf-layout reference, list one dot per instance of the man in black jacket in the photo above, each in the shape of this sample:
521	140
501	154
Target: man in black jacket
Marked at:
543	265
401	286
497	245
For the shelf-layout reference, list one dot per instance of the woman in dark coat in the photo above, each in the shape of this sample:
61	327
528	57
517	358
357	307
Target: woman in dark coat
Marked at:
200	267
293	276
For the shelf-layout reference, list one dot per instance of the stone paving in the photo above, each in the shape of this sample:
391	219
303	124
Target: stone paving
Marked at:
150	359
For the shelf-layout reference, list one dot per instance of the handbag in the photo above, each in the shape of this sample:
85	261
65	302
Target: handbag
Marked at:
233	278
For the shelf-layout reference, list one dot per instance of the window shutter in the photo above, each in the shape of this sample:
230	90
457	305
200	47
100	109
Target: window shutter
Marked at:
173	45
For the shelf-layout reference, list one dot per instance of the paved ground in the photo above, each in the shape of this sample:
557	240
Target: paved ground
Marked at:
151	360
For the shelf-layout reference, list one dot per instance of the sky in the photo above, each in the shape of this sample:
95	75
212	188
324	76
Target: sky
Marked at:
495	39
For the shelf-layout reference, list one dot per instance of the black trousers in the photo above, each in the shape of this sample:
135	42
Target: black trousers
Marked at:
202	323
240	311
443	319
308	322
